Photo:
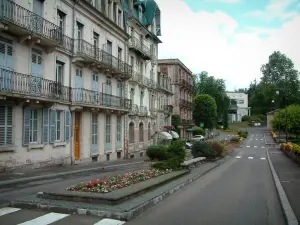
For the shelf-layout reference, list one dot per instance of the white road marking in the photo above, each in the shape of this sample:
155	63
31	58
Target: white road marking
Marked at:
110	222
263	146
248	146
45	219
261	139
238	157
7	210
256	139
262	158
255	146
250	157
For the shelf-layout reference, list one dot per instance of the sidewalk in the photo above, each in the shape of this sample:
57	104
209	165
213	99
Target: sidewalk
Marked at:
32	174
288	172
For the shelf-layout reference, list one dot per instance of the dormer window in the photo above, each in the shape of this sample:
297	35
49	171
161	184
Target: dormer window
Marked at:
140	13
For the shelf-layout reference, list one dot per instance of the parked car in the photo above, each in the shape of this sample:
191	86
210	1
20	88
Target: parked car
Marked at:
188	145
198	138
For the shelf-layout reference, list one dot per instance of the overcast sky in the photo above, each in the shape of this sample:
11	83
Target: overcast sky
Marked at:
230	39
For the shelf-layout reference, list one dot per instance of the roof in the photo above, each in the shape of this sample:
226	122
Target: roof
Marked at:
174	62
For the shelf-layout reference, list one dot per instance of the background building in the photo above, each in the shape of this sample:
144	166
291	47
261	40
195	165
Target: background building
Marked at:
147	88
62	81
238	106
182	83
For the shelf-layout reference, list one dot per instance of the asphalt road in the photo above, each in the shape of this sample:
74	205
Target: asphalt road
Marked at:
240	191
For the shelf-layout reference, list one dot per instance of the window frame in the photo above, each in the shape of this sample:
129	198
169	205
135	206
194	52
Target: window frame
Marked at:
108	129
5	126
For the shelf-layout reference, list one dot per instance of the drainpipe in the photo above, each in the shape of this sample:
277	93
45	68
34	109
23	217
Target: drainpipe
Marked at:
70	83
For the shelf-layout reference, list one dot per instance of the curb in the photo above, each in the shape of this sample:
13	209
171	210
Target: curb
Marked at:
126	215
273	144
61	174
284	202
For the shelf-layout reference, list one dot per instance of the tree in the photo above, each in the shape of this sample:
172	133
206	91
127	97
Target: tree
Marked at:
205	110
291	119
280	73
205	84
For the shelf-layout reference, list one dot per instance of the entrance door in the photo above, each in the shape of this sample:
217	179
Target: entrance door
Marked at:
37	20
77	136
78	85
37	72
6	65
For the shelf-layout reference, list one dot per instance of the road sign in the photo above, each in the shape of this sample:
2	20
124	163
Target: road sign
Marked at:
202	125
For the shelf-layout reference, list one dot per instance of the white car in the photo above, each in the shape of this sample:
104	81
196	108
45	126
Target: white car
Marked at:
198	138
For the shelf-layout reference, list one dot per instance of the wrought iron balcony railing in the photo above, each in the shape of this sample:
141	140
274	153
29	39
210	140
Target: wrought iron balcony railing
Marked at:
92	53
153	111
85	96
134	110
167	109
143	111
15	14
24	85
137	44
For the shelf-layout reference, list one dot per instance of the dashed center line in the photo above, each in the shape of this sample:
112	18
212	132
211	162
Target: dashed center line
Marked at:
238	157
248	146
250	157
263	158
255	146
263	146
261	139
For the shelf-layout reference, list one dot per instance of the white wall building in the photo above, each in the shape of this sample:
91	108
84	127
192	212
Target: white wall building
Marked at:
62	81
242	108
147	89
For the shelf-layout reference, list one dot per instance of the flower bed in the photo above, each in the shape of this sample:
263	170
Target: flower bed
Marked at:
274	135
108	184
292	150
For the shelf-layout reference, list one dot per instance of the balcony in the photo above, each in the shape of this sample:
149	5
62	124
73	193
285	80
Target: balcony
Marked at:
165	87
85	97
143	112
140	48
186	85
134	110
29	26
101	60
186	104
153	112
187	122
18	85
142	80
167	109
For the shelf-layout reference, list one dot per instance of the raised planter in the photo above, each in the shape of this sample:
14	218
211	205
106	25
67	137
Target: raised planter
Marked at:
114	197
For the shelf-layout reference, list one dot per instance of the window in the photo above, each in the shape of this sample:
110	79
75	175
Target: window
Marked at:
79	28
141	98
119	53
107	129
149	131
58	126
95	129
141	132
120	18
115	12
6	114
109	47
59	72
140	14
131	132
119	128
6	54
33	132
108	10
132	61
61	17
96	40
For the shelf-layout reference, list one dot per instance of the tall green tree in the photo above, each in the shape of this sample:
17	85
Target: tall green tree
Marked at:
216	88
205	110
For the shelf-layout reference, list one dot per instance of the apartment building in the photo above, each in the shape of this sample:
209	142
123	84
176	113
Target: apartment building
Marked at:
182	83
238	106
146	88
62	81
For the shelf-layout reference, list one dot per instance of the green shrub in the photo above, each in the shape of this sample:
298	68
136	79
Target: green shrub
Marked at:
217	147
245	118
198	131
176	149
203	149
159	152
243	134
172	163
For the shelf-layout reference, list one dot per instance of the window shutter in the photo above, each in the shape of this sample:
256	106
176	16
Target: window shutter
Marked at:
26	133
67	126
45	126
52	126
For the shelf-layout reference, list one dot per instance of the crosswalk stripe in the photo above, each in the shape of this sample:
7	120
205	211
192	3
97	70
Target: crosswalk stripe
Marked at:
238	157
262	158
109	222
250	157
7	210
255	146
45	219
